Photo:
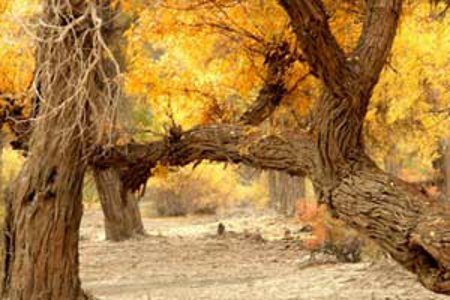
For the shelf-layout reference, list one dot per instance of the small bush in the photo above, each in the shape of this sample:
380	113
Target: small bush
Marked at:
204	190
172	203
184	193
329	235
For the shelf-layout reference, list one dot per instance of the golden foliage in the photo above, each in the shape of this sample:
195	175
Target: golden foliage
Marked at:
196	63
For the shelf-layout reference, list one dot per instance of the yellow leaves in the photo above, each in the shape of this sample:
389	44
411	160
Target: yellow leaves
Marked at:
160	171
3	6
413	86
217	183
346	23
16	51
187	58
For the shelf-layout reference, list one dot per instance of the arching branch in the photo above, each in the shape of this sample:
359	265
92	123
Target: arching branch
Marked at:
221	143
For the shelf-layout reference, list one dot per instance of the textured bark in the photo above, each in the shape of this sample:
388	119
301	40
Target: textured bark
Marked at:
413	228
225	143
407	224
120	207
45	208
348	80
42	230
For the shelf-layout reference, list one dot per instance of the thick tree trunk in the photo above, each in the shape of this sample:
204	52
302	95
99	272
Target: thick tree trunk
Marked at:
42	229
45	208
284	191
120	206
413	228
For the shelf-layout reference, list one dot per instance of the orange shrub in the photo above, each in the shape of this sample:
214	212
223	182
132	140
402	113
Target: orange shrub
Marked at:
309	211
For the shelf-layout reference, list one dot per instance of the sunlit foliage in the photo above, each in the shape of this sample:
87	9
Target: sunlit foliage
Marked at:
196	62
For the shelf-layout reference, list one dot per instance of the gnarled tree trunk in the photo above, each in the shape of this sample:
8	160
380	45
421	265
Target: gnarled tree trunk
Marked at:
42	231
120	206
43	221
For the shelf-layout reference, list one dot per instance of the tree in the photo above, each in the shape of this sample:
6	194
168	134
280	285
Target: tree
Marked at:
284	191
411	226
442	166
41	255
120	206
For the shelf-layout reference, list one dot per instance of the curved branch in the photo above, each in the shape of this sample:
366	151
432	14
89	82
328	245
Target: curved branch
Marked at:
320	48
289	152
269	98
375	42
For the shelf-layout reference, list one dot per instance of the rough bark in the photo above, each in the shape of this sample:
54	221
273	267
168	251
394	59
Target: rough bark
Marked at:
391	212
120	207
216	142
42	238
122	217
42	225
348	80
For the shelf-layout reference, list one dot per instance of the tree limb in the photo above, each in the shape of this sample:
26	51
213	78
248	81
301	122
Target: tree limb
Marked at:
376	40
320	48
221	143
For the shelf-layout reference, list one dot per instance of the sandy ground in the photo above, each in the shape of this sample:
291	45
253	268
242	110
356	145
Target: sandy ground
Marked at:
183	258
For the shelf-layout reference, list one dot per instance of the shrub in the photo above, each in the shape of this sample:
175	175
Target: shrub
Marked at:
204	190
329	235
184	192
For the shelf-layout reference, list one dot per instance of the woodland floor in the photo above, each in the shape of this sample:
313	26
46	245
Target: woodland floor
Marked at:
183	258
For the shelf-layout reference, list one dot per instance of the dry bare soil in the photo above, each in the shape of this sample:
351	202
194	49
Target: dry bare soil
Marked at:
183	258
